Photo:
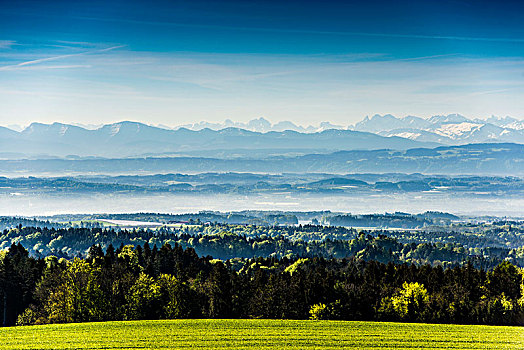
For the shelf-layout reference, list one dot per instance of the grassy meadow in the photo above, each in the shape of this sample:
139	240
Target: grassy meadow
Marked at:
260	334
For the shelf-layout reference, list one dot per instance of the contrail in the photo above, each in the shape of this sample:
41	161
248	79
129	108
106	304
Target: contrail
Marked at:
54	58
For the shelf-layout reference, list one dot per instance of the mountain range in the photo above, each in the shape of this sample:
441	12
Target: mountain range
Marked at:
257	138
446	129
261	125
132	139
452	129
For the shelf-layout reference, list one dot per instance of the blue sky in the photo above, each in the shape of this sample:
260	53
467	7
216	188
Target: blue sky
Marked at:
178	62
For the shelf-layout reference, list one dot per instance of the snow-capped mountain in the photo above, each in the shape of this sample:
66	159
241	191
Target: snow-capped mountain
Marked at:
128	139
261	125
378	123
506	122
452	129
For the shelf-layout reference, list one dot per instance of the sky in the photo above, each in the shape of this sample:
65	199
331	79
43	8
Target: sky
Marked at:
180	62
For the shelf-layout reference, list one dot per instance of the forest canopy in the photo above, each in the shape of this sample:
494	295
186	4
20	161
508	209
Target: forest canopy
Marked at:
141	282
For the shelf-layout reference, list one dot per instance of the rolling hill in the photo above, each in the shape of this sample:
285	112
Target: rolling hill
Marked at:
479	159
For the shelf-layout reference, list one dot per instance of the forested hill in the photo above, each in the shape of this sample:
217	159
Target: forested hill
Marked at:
484	249
143	283
496	159
249	183
469	274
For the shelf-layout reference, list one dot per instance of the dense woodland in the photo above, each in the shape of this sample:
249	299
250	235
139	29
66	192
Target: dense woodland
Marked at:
270	218
75	272
145	282
484	246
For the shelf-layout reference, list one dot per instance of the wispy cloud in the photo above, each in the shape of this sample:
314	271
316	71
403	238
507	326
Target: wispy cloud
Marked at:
54	58
488	92
185	86
7	44
55	66
420	58
308	31
77	43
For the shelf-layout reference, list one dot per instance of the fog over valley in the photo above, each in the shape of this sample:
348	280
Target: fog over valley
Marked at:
41	205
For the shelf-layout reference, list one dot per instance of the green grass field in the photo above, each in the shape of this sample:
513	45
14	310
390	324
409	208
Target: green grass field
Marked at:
258	334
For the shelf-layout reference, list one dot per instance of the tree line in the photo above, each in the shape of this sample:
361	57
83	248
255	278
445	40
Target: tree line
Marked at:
224	241
144	282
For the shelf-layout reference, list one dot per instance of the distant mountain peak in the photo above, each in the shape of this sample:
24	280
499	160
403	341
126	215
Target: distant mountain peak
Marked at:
261	124
447	119
451	129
